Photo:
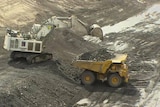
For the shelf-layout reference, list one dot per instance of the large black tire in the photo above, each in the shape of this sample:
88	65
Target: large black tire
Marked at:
115	80
88	78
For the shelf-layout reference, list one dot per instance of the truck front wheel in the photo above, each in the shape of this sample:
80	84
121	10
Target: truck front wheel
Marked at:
88	78
114	80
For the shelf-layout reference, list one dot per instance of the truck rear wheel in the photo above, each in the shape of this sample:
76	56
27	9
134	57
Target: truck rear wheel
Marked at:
88	78
114	80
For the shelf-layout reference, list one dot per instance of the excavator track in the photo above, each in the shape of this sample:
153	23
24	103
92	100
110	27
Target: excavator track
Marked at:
35	58
31	57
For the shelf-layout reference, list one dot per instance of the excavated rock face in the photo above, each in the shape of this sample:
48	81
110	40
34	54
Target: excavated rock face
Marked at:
19	13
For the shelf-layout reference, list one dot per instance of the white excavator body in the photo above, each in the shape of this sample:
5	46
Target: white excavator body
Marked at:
20	44
30	45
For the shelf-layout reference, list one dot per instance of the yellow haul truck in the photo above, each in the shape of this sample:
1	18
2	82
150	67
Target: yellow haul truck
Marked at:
114	70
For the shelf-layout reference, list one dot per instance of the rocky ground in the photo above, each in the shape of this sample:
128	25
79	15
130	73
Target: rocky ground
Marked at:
54	83
20	13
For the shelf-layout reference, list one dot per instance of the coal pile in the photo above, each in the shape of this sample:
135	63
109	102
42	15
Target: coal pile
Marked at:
98	55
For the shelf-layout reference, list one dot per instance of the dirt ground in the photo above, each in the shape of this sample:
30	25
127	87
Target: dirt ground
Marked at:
55	83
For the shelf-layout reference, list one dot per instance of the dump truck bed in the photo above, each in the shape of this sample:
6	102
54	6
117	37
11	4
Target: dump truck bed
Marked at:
99	66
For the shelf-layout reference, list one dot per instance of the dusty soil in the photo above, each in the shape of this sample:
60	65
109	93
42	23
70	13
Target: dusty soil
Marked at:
55	83
19	14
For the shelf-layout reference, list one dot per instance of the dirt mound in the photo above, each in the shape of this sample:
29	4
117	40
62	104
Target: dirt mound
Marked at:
65	44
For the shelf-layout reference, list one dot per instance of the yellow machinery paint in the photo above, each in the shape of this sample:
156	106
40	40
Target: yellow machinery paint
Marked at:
102	70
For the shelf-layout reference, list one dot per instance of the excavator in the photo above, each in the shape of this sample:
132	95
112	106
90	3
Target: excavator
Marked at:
31	45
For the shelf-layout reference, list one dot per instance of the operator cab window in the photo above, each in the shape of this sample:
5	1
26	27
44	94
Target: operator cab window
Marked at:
23	44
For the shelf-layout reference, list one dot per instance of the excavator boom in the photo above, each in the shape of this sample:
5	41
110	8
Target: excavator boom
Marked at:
31	45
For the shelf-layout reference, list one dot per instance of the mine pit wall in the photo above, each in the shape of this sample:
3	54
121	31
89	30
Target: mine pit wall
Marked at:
2	31
89	11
